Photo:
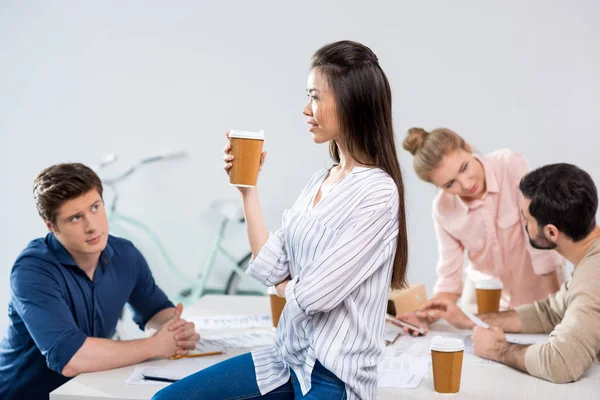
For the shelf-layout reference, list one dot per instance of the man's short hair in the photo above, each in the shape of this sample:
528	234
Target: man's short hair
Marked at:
62	182
563	195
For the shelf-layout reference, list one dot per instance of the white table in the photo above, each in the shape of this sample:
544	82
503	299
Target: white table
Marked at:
478	381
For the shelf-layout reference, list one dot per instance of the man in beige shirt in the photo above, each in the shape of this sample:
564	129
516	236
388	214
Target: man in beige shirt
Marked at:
559	213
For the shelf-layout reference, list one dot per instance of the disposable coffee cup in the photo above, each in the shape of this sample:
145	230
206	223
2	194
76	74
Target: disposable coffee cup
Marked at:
489	292
447	359
277	304
246	148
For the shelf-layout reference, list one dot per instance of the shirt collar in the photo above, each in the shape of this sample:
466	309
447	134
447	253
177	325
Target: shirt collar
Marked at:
354	171
63	256
491	185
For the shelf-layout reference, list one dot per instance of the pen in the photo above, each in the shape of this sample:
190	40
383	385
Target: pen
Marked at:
158	379
473	318
210	353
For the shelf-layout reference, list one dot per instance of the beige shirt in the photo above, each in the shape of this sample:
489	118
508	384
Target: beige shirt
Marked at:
572	317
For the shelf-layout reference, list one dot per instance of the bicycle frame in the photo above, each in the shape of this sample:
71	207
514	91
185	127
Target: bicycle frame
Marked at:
118	223
199	287
114	219
198	284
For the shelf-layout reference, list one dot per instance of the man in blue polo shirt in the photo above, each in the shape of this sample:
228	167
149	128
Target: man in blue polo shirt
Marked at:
68	291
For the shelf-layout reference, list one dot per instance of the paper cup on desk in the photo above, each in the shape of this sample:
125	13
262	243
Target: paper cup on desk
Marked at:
246	148
446	359
489	292
277	304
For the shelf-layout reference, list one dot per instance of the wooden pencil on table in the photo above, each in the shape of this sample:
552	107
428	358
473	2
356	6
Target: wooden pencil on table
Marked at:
210	353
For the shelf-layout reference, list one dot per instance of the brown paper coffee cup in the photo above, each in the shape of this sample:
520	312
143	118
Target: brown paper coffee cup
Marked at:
277	304
246	148
489	292
446	359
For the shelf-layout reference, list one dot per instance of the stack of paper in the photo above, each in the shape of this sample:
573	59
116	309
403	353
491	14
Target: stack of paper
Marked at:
405	363
217	333
235	340
173	370
231	322
405	371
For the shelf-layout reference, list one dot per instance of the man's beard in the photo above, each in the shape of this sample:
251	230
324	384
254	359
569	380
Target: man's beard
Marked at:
540	242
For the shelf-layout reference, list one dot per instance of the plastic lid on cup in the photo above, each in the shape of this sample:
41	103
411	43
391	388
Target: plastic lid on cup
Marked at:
247	134
445	344
271	290
489	284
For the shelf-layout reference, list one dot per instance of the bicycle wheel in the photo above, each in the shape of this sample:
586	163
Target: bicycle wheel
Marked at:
234	279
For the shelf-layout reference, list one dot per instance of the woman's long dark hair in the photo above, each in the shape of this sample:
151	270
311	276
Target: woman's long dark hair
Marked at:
364	107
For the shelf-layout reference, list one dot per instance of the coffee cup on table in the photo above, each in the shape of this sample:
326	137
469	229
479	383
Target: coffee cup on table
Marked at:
489	292
277	304
446	359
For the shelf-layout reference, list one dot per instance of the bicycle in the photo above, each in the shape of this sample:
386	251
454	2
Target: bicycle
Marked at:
121	224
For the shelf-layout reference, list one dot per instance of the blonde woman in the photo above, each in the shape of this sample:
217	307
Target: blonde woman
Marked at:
478	210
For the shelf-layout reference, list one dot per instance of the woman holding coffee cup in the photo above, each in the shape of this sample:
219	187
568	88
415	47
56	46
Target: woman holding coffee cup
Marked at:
342	245
478	210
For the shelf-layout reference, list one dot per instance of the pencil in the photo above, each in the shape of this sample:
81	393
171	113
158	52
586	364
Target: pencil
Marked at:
210	353
158	379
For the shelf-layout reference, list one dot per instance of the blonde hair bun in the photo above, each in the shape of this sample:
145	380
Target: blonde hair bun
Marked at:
414	140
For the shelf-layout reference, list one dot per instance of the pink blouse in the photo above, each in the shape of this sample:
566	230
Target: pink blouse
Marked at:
491	232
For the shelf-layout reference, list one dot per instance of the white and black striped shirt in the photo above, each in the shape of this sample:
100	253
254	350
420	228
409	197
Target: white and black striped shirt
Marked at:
339	256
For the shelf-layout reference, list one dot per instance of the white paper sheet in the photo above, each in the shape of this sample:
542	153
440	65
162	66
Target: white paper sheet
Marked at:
391	332
416	348
398	348
173	369
420	348
404	372
137	377
235	340
231	322
521	338
399	379
405	363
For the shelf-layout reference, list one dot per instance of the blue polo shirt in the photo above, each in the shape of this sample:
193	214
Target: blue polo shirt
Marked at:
54	307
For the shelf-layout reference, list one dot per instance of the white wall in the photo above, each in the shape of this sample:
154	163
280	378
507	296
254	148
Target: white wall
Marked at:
78	81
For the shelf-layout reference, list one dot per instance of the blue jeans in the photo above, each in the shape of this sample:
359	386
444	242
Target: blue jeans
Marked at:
235	379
